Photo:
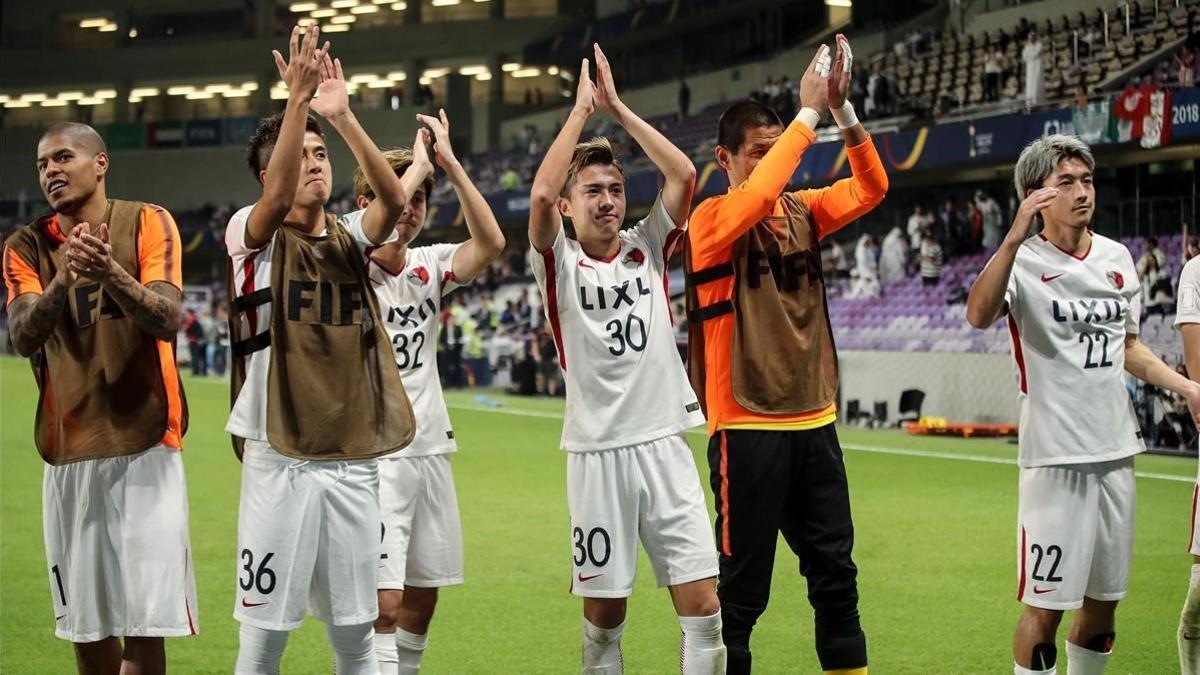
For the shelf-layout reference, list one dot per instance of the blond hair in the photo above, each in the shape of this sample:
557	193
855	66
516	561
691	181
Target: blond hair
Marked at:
596	151
399	159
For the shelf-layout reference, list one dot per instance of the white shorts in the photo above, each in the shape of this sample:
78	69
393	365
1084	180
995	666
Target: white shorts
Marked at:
308	540
649	490
422	531
117	549
1074	533
1195	541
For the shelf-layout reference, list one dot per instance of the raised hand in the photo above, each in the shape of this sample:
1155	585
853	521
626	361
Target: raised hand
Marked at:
440	126
91	255
332	98
839	74
67	254
814	85
1030	207
301	73
585	92
605	87
420	151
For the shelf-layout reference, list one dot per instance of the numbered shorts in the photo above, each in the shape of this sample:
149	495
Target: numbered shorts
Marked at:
422	531
1074	533
117	549
308	540
649	491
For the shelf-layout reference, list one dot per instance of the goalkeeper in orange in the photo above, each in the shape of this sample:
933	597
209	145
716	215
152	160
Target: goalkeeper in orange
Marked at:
762	359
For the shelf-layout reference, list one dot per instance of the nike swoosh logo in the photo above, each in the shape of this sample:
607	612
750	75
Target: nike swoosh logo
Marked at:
589	577
1039	591
59	618
584	263
252	604
1048	279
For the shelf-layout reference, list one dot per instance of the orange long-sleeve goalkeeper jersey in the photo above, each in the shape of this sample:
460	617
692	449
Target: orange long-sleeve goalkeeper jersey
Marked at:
718	222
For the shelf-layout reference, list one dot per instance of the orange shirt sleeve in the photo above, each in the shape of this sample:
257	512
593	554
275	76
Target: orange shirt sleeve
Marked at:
20	276
159	249
717	223
849	198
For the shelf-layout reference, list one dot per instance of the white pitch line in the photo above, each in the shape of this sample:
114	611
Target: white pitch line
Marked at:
881	450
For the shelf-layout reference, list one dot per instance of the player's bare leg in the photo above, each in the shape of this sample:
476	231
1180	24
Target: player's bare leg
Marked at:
700	647
1033	644
1189	625
144	656
102	657
603	623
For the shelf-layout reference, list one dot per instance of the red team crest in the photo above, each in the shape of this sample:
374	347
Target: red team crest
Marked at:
1117	279
419	275
636	257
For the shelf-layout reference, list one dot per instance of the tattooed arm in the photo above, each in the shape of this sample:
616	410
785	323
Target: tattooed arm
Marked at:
32	317
155	307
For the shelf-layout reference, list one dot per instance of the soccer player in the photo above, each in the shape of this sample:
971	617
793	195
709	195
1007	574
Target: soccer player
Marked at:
94	291
761	355
630	472
422	532
1187	319
1073	306
316	395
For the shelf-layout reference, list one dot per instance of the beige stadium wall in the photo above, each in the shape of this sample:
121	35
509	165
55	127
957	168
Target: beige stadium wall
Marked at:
970	388
1037	11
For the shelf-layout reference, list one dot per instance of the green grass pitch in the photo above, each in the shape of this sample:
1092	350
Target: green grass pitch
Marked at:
934	547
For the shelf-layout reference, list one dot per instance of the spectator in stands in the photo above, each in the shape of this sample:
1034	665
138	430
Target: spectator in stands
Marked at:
918	221
993	219
193	330
1154	255
866	257
510	179
1185	66
841	264
1158	296
685	99
893	258
1023	30
1003	39
1031	54
974	227
992	70
879	95
549	377
221	342
953	227
931	258
858	87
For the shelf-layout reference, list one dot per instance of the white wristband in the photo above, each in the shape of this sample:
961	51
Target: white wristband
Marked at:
809	118
844	116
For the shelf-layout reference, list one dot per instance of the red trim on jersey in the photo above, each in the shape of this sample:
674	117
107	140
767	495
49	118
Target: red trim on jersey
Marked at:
186	607
668	249
1021	585
1195	493
552	305
603	260
724	470
248	288
1091	241
1017	353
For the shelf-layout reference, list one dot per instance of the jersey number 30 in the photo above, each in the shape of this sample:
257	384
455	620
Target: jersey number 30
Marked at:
631	334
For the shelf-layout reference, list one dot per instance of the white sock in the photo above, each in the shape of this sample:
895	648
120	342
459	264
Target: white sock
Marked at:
1021	670
1189	627
410	647
701	651
353	649
602	649
1083	661
259	650
385	653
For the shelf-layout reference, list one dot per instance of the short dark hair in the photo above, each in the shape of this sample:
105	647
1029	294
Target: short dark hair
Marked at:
262	143
596	151
83	134
740	117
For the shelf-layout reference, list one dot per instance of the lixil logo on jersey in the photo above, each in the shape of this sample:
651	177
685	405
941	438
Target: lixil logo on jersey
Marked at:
634	257
419	276
1117	279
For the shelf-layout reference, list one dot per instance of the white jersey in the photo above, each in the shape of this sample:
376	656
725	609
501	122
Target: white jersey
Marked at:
251	271
612	325
1068	318
410	305
1188	309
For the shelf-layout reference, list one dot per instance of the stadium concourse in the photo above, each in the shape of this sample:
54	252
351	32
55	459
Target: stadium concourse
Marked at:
950	93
